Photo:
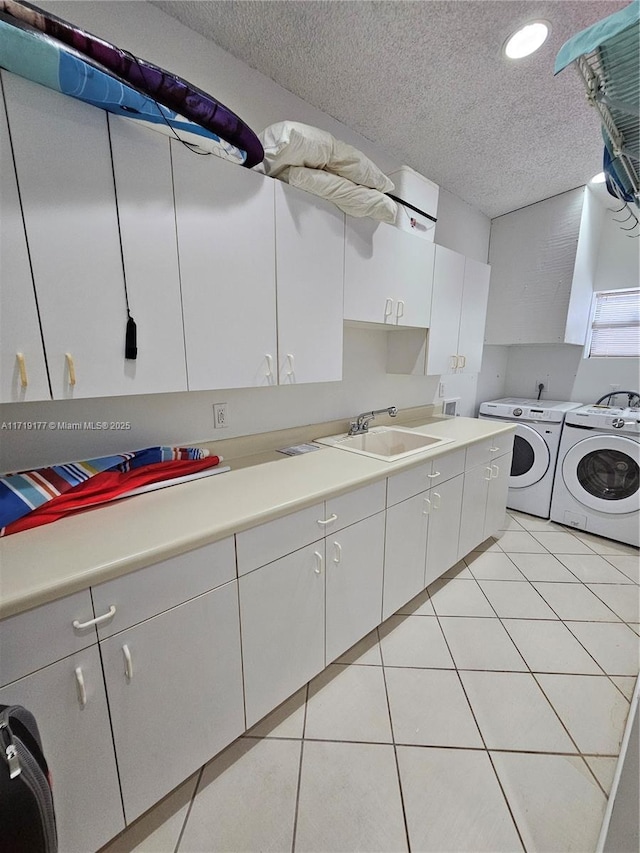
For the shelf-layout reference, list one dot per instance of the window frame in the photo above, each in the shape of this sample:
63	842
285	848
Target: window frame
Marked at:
592	313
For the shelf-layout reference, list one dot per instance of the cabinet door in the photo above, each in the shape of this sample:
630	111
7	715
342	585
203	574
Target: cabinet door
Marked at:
23	372
444	527
355	559
405	552
474	504
71	224
175	694
446	304
144	194
310	276
226	249
383	266
282	617
77	744
473	314
497	494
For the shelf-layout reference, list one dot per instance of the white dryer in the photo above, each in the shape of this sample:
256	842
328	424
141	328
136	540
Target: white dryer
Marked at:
597	484
535	448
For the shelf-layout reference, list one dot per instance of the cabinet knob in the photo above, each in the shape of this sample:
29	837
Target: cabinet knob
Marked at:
291	370
399	310
435	474
489	472
497	471
338	553
388	308
22	369
318	567
332	517
269	370
454	362
463	360
426	506
436	503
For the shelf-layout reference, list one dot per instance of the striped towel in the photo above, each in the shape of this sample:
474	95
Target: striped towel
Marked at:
28	492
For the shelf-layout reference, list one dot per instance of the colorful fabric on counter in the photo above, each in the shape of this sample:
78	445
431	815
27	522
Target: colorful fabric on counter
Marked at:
26	493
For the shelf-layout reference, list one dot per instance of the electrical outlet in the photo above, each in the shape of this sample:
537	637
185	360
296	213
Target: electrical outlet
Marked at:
220	415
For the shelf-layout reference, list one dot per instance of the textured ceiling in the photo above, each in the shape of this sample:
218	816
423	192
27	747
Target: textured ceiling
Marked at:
428	81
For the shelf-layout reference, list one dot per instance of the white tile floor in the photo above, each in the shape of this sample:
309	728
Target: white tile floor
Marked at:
486	715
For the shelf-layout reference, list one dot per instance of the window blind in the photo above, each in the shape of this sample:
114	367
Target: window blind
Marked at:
615	329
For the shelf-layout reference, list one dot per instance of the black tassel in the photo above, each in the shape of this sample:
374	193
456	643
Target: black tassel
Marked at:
131	339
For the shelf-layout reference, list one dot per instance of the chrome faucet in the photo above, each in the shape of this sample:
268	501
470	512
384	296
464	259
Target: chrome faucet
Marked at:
361	424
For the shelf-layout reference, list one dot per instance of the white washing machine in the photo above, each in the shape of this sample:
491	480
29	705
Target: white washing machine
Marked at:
535	448
598	476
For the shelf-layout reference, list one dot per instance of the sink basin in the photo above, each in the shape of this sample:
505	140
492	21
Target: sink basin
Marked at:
386	443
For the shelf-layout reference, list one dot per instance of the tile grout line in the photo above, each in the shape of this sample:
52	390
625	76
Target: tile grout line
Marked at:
538	683
302	739
188	814
484	743
393	741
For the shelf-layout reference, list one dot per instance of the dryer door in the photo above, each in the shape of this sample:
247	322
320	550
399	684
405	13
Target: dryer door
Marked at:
603	473
531	457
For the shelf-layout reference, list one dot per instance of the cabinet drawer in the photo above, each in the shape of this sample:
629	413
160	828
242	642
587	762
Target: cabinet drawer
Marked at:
267	542
408	483
483	451
38	637
447	466
154	589
354	506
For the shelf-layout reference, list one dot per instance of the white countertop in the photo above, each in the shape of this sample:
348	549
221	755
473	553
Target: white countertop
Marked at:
48	562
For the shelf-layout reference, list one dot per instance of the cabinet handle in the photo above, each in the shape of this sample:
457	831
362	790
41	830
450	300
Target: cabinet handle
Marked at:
494	449
454	362
497	470
338	556
80	626
463	359
318	566
399	309
427	507
22	369
439	496
490	474
388	308
71	368
291	371
269	371
128	662
332	517
435	474
82	690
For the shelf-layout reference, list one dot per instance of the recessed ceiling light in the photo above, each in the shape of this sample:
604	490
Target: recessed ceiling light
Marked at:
600	178
526	40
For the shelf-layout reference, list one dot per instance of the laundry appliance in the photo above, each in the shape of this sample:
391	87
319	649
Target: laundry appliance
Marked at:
535	448
597	480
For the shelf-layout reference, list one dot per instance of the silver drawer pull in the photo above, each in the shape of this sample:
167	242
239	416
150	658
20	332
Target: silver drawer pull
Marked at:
128	662
80	626
332	517
82	690
435	474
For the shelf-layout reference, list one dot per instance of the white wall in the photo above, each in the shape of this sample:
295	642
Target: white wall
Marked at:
188	417
563	369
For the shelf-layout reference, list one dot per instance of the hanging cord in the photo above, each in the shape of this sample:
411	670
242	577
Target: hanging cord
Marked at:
540	390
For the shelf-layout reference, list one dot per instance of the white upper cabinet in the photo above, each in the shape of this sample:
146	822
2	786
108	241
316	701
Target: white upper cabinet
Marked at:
454	341
388	275
144	194
226	247
310	275
68	200
23	372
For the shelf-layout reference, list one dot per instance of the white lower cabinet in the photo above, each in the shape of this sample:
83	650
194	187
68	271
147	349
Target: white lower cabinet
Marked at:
497	494
175	693
405	552
282	617
354	558
445	504
76	736
474	505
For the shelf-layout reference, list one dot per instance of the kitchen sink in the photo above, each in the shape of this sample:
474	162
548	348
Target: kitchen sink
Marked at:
386	443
